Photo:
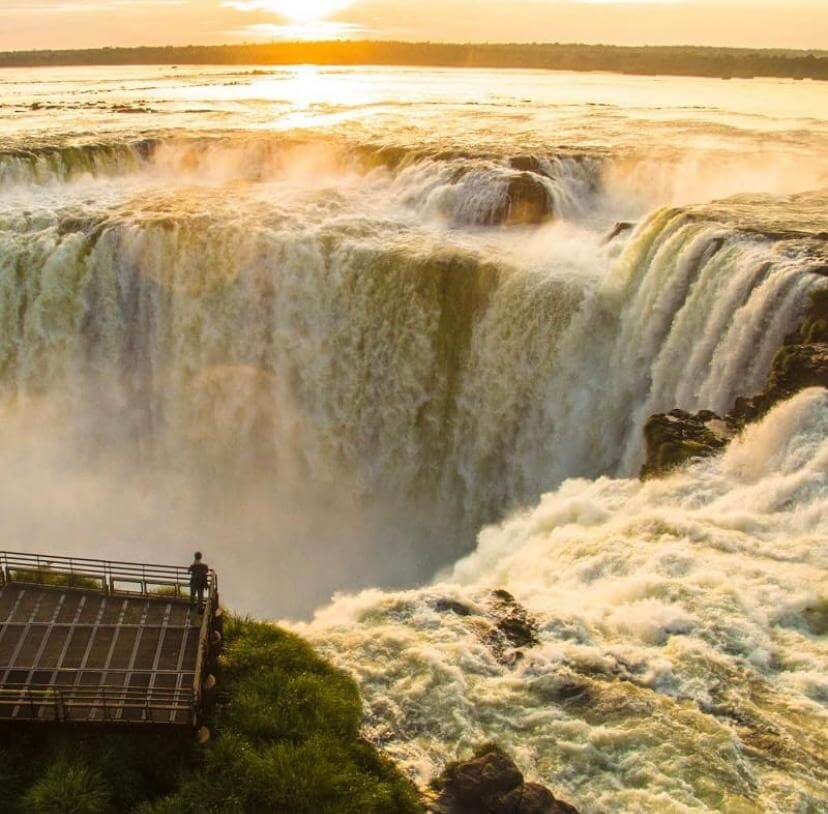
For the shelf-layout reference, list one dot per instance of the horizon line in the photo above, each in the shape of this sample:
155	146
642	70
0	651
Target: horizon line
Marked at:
409	43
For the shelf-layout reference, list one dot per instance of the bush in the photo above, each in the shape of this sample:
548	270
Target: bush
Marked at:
55	579
68	787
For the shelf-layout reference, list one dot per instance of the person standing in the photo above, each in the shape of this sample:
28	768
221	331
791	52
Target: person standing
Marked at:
199	579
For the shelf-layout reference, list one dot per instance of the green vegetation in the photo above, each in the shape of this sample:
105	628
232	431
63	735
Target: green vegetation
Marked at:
670	60
286	739
54	579
168	590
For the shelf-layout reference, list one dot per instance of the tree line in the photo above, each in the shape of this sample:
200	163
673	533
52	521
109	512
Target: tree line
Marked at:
647	60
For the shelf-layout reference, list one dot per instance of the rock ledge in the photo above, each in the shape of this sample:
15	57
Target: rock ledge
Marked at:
491	783
677	437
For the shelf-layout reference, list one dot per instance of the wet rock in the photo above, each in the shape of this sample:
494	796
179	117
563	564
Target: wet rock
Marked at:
503	596
617	230
484	777
513	624
526	202
816	618
529	200
502	624
491	783
531	798
452	606
674	438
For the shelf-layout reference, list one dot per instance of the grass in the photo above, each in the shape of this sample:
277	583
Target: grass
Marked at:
285	739
54	579
169	591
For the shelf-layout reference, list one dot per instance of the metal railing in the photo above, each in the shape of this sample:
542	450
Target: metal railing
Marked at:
103	704
109	704
111	577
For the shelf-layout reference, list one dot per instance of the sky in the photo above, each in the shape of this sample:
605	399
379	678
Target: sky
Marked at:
27	24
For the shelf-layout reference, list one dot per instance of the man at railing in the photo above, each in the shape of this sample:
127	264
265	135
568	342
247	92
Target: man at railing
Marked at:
199	580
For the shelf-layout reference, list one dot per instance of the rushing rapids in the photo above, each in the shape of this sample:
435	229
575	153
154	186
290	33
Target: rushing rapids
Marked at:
682	662
338	339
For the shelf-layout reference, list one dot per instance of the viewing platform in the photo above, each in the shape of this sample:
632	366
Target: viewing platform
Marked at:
97	643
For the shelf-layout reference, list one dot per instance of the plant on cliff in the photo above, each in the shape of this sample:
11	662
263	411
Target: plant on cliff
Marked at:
286	739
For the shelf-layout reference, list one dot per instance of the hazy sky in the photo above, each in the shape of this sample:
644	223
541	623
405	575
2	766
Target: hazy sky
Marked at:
88	23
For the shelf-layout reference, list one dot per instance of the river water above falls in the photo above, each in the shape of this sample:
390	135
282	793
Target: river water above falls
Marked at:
330	326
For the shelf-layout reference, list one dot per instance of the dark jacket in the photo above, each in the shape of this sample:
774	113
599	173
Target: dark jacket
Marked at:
198	574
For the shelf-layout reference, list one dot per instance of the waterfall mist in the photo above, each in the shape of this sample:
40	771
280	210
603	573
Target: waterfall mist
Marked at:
288	353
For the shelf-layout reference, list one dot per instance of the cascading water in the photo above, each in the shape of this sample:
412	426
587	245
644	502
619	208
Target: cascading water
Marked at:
338	358
230	333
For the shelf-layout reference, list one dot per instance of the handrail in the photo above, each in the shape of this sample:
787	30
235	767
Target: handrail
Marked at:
112	700
14	564
14	690
210	605
116	703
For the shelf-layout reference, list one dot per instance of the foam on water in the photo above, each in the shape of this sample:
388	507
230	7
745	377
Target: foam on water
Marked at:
682	660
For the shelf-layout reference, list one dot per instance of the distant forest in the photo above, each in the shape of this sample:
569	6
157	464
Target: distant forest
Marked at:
671	60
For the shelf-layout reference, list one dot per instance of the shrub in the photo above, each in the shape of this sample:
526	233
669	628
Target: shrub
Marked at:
68	787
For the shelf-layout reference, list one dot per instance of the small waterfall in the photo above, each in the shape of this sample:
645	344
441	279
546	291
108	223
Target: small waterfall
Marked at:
52	165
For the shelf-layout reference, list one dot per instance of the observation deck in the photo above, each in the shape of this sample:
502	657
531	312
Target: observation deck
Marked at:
88	642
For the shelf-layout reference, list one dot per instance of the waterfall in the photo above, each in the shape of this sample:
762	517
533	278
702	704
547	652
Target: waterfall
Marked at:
369	351
202	336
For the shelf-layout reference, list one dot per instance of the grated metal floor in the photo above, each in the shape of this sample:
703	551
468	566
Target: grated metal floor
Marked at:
81	642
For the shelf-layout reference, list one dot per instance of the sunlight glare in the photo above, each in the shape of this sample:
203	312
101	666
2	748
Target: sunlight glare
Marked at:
296	11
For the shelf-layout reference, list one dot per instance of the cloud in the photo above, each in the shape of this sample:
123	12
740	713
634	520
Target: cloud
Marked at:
319	30
318	8
82	6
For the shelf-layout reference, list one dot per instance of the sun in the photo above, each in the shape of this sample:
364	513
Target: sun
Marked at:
298	12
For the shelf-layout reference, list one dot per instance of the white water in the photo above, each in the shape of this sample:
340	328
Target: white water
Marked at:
272	317
678	610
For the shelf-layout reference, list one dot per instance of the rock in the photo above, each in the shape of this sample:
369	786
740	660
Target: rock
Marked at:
617	230
513	625
484	777
816	618
527	163
527	201
504	626
802	362
531	798
677	437
799	366
503	596
452	606
491	783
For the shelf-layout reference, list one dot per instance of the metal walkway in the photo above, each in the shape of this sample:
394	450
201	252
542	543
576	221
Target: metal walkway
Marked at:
97	643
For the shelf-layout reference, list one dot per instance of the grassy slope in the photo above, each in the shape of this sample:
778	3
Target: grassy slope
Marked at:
286	739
